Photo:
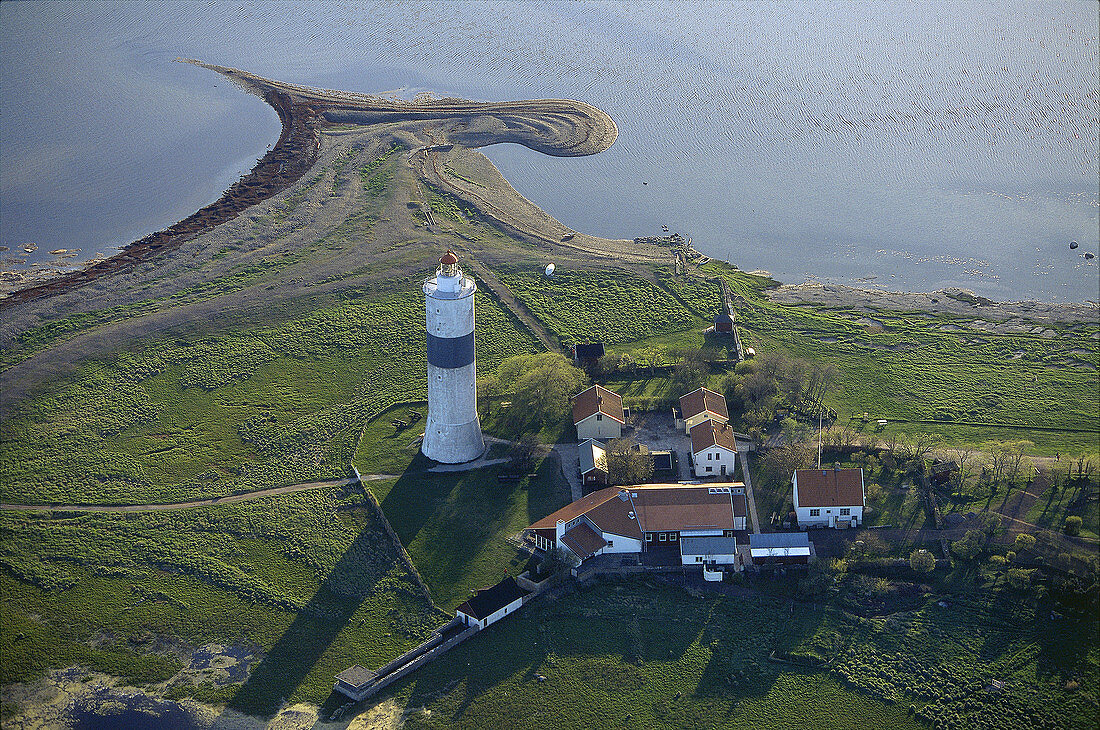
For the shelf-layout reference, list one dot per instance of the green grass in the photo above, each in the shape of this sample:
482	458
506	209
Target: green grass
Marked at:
232	412
595	305
454	526
310	579
1057	503
666	659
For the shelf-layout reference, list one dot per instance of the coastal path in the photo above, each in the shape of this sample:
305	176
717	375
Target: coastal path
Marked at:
230	499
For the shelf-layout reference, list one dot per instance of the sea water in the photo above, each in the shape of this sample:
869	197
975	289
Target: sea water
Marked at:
900	146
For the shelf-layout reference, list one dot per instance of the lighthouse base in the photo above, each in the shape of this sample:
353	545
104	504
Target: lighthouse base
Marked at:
452	443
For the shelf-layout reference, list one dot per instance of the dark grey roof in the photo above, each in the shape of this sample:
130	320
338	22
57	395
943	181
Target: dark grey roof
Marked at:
490	600
779	540
707	545
723	318
356	676
594	349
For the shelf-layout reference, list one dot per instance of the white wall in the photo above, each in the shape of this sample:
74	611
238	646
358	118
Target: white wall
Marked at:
827	516
621	544
492	618
721	558
720	456
699	418
605	428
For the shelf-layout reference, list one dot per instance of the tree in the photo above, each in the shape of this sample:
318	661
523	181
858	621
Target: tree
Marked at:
991	524
524	453
964	457
557	562
1016	451
1018	578
541	387
1024	542
781	461
969	546
690	372
627	463
922	561
1072	525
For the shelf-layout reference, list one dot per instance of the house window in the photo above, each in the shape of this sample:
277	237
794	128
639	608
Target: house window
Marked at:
611	543
599	416
727	533
815	513
710	468
649	537
662	537
699	558
673	536
845	510
709	456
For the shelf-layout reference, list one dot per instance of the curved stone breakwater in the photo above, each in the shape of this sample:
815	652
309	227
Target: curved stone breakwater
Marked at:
558	127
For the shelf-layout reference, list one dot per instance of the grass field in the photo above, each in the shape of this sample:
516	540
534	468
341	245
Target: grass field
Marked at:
454	525
637	655
309	581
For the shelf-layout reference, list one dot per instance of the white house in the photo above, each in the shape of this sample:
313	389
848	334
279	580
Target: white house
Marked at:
598	414
713	449
644	517
829	497
491	604
701	405
592	458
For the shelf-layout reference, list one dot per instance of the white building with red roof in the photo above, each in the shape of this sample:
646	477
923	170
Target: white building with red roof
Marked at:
829	497
644	517
702	404
598	414
713	449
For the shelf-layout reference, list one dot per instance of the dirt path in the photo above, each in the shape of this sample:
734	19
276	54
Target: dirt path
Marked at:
289	489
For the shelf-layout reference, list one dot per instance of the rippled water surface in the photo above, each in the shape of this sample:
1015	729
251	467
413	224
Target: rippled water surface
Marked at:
906	146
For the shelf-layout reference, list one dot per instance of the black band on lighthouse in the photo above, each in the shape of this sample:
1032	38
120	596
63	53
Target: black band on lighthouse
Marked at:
450	352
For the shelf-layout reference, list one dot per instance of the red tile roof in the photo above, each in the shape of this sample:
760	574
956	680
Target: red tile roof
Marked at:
583	540
448	258
703	400
598	399
657	508
708	433
830	487
663	507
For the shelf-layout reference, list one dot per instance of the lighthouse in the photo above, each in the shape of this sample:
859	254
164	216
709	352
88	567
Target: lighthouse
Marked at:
452	433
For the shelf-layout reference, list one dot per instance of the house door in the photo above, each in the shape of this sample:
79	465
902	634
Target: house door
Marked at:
723	469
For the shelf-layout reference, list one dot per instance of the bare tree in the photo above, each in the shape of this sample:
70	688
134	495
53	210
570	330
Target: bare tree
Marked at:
964	457
1016	451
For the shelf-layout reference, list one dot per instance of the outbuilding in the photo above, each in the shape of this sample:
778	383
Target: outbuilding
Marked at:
490	605
592	457
780	548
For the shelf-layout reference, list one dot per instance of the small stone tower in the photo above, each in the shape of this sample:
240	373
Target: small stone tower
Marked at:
452	433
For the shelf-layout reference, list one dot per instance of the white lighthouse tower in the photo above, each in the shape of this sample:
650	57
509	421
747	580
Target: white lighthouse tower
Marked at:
452	433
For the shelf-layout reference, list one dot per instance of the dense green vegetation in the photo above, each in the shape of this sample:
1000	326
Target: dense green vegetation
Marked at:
228	413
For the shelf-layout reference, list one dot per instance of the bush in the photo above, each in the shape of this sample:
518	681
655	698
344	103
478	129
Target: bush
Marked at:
1024	542
969	546
922	561
1072	526
1018	578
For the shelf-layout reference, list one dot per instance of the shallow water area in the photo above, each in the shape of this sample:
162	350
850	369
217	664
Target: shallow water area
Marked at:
886	146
